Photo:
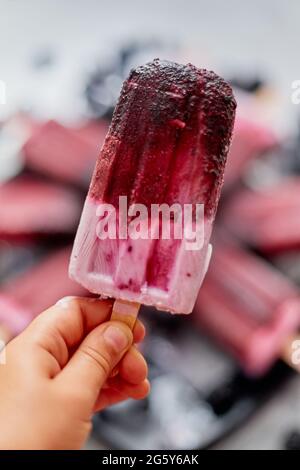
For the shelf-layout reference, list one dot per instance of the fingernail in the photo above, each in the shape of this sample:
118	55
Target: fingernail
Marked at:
64	302
116	337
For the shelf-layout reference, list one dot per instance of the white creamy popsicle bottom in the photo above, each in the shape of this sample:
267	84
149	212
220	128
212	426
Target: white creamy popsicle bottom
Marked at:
118	268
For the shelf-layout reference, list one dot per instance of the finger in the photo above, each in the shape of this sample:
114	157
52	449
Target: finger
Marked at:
133	367
5	334
139	332
110	396
62	327
121	385
92	363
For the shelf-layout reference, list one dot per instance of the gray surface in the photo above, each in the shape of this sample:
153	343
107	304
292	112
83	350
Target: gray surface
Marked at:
268	428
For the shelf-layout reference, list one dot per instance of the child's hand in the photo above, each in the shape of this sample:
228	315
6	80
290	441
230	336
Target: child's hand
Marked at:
57	375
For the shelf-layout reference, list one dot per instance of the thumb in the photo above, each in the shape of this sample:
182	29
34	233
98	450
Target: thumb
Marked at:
95	358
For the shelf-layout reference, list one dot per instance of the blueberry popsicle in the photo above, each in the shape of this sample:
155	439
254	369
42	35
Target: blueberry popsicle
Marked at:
64	154
32	208
19	302
167	144
268	218
248	306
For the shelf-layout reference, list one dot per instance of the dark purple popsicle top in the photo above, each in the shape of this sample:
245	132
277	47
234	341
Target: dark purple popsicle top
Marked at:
168	139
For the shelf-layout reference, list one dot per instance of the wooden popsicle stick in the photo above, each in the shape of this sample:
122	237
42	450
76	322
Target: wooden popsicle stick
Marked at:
125	312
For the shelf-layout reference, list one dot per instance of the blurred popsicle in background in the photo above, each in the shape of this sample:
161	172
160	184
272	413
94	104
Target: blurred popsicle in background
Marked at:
248	306
267	218
32	207
65	154
250	140
28	294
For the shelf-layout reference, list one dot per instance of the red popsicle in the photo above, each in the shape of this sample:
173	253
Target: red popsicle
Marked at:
167	144
248	306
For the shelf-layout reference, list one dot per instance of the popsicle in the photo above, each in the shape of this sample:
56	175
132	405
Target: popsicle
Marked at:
66	154
167	144
248	306
31	292
31	207
268	218
250	141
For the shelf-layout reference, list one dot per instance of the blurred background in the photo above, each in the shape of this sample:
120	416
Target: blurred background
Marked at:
218	378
